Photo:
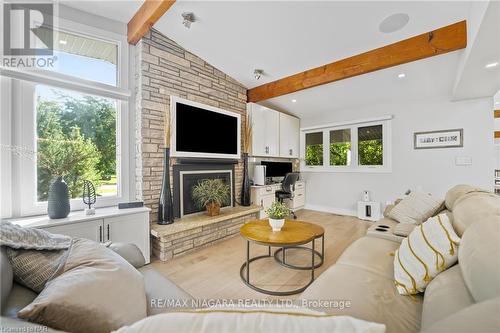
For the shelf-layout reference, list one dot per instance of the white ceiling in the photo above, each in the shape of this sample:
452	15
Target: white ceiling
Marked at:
118	10
286	37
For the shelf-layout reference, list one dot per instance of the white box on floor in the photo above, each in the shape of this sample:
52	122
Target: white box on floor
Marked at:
369	210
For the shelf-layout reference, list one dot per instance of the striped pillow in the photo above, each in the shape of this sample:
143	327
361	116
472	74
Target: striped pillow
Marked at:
430	248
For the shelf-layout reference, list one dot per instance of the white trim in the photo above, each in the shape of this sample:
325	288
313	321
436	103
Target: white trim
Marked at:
173	113
346	123
332	210
5	155
67	82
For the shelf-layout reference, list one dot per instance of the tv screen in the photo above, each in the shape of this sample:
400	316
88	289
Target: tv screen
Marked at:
277	169
204	131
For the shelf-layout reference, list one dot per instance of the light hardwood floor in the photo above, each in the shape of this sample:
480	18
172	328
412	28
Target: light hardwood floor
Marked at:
213	272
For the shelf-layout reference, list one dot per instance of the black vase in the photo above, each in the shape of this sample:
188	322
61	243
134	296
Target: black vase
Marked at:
166	205
58	201
245	187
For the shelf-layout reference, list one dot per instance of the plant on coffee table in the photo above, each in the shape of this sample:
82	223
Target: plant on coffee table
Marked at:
212	194
277	213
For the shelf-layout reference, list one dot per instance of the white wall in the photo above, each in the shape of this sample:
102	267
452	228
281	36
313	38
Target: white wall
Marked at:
433	170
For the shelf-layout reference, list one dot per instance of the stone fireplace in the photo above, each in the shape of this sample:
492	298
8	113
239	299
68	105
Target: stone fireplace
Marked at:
187	174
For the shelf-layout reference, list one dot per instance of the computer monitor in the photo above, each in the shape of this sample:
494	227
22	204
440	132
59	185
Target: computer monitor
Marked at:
277	169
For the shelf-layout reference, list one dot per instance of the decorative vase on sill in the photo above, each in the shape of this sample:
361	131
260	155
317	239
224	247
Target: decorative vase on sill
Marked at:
245	187
276	224
166	205
58	201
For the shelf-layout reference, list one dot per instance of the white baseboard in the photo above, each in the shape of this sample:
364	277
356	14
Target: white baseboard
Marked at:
333	210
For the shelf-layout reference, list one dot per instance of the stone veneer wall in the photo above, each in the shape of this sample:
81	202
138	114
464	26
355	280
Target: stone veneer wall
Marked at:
170	246
165	69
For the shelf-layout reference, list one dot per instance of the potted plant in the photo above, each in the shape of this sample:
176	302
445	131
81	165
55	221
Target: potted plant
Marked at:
212	194
277	213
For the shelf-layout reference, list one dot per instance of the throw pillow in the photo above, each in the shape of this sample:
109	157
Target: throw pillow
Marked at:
97	291
33	268
416	208
429	249
262	320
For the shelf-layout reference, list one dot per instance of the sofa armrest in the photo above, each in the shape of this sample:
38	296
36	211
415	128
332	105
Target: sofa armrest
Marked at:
129	252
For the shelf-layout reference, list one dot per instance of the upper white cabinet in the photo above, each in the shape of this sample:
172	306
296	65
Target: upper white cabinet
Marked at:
274	134
265	130
289	136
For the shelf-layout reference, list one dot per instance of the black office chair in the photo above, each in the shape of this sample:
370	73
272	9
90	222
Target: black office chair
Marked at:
288	189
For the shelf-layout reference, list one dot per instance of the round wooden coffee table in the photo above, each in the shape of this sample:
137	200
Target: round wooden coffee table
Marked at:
294	234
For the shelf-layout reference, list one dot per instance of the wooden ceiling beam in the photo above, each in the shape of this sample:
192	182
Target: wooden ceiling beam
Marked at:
497	113
147	15
497	134
443	40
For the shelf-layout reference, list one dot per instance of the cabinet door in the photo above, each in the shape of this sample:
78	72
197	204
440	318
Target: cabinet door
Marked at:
266	202
92	230
289	136
265	131
132	228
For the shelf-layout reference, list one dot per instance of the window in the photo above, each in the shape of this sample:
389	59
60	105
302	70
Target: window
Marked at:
363	146
314	148
71	119
79	129
370	145
340	147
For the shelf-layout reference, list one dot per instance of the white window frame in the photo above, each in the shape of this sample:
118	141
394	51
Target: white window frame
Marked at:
21	180
386	167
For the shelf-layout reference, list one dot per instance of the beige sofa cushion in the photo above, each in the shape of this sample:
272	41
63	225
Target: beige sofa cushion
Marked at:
416	208
98	291
472	207
445	295
456	192
480	317
371	254
479	258
427	251
367	296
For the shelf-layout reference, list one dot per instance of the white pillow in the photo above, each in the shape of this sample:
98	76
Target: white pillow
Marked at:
416	208
230	319
430	248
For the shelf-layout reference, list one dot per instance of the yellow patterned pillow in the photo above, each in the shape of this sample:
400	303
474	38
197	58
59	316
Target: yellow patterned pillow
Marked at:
430	248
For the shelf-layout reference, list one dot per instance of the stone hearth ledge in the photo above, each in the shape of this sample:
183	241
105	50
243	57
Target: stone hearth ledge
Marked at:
189	233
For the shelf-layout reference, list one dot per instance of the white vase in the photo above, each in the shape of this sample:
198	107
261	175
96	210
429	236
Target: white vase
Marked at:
275	224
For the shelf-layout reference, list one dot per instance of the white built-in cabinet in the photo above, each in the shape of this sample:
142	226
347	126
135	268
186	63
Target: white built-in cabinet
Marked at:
289	136
265	129
107	225
274	134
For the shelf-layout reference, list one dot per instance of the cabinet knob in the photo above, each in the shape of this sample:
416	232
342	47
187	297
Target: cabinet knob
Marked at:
291	152
100	233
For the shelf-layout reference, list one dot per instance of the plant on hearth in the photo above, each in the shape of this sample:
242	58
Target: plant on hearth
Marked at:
212	194
278	210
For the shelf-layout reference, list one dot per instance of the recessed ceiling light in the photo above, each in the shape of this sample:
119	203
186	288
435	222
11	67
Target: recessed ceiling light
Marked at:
402	75
294	101
63	42
491	65
394	23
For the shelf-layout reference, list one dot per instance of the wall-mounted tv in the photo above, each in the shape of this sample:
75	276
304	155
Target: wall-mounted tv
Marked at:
203	131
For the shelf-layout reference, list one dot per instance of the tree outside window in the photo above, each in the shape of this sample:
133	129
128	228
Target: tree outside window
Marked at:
76	137
370	145
314	148
340	147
